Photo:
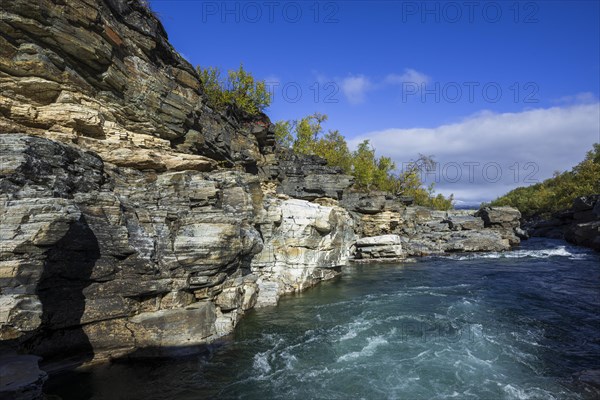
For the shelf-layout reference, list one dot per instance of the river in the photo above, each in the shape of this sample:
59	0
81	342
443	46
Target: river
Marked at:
513	325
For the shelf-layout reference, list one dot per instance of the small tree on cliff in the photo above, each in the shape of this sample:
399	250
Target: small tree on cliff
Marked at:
240	89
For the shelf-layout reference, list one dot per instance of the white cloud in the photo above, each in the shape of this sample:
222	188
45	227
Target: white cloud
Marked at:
355	88
541	141
579	98
409	76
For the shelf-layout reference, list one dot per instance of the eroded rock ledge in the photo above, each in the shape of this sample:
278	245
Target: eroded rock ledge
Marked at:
579	225
103	261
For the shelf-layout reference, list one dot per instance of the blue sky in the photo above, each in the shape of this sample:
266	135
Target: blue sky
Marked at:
419	77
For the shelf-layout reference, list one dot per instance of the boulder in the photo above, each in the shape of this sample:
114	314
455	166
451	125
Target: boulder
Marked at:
460	223
500	217
379	247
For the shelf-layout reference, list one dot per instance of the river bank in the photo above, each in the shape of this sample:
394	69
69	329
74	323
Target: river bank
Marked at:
514	325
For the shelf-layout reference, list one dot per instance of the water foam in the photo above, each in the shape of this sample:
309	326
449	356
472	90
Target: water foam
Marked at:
372	344
560	251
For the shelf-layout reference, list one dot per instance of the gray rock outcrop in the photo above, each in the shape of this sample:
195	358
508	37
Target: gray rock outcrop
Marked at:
424	231
305	177
579	225
379	248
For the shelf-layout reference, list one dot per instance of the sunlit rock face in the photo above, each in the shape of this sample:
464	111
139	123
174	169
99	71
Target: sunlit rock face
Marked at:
120	232
102	75
304	244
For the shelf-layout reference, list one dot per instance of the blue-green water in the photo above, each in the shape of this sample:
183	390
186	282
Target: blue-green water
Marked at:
488	326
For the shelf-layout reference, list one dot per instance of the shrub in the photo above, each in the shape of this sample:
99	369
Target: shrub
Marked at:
239	89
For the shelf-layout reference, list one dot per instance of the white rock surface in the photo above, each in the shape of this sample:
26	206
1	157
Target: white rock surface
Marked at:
304	244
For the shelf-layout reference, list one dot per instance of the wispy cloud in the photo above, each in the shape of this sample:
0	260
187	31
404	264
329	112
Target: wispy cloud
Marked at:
355	88
579	98
527	146
409	76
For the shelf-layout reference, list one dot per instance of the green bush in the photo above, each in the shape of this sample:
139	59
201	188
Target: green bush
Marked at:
239	89
370	172
557	193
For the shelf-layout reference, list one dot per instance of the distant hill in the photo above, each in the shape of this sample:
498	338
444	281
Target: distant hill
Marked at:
559	192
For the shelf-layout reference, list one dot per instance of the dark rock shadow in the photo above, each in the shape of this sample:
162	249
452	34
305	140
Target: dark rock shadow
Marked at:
67	271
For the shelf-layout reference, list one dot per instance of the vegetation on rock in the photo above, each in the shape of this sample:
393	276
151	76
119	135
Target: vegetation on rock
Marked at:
240	89
306	136
556	193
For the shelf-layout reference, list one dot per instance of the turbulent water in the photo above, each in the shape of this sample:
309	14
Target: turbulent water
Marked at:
513	325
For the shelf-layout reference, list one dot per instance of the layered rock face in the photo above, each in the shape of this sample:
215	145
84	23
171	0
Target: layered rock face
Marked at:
121	233
579	225
384	247
304	244
423	231
305	177
102	75
91	249
105	261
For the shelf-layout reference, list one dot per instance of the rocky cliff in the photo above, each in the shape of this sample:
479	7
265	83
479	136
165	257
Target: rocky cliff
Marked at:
133	221
579	225
101	74
137	221
103	260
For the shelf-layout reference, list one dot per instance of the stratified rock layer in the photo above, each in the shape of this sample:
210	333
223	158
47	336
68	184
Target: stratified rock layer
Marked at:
579	225
102	75
304	244
423	231
102	261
